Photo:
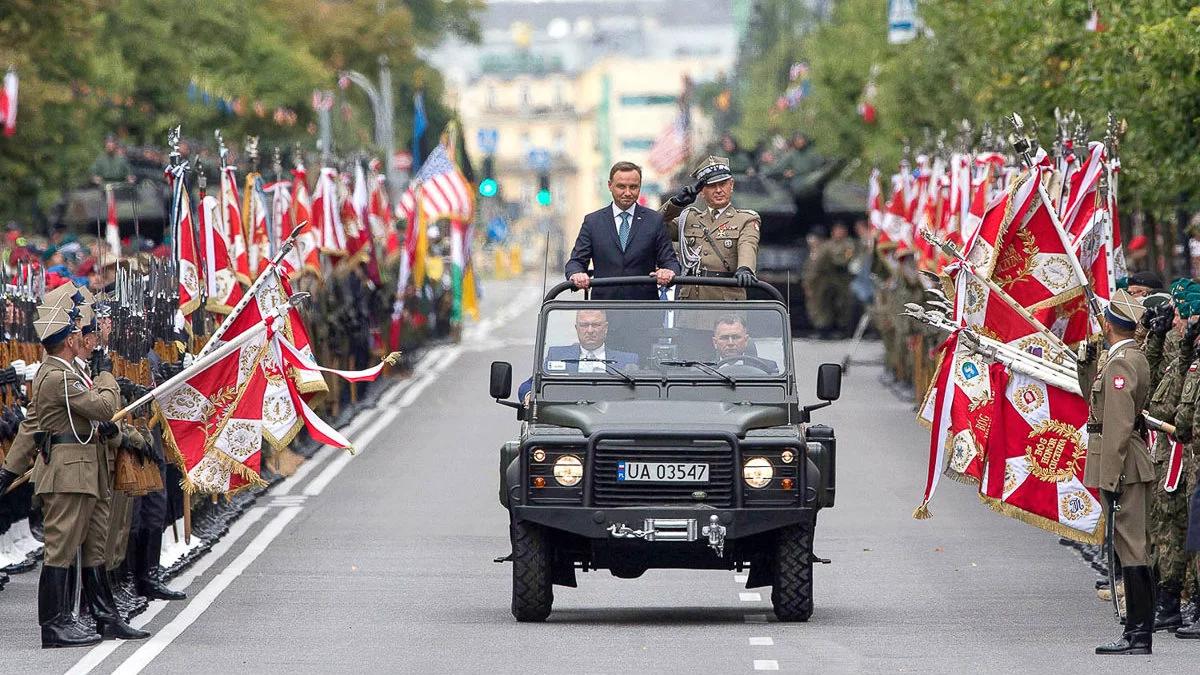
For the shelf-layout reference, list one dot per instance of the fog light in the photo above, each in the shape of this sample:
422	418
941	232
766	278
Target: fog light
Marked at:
539	482
787	483
539	455
758	472
568	470
787	456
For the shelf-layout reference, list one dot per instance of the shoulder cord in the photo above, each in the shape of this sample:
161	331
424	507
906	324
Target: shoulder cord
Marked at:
71	419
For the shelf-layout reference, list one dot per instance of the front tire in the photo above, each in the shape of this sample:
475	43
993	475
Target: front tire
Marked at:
532	590
792	594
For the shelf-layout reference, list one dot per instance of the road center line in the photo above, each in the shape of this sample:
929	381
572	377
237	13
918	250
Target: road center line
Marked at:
204	599
761	642
97	654
766	664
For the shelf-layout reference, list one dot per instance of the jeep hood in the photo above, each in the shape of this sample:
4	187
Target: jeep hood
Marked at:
663	415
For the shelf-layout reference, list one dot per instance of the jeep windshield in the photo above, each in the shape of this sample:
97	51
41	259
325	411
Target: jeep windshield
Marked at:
725	344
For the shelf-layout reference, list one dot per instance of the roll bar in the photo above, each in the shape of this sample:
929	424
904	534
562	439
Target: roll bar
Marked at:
677	281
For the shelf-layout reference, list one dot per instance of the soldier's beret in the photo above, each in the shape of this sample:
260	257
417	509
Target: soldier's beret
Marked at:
713	170
1124	310
1147	279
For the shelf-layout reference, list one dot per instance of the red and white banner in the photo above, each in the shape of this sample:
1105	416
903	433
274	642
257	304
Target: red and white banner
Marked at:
327	220
221	283
308	245
187	253
8	103
112	228
232	226
1035	458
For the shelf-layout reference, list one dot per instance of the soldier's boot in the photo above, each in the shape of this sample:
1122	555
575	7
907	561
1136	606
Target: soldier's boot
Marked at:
127	581
1191	629
1167	616
109	622
1139	621
147	573
84	622
54	611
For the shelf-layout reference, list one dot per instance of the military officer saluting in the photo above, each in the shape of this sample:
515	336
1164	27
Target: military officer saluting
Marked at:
716	241
1118	463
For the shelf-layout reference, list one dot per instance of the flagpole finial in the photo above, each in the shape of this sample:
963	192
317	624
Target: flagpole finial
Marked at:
252	152
173	136
222	151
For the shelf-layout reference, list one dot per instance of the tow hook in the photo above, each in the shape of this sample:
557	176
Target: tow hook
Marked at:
715	532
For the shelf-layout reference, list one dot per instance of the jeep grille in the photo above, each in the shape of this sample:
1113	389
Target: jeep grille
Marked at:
607	491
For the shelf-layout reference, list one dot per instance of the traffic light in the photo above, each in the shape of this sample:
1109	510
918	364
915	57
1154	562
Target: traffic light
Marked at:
544	196
488	187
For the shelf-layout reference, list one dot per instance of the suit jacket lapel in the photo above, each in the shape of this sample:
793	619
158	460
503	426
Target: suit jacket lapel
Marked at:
635	226
608	223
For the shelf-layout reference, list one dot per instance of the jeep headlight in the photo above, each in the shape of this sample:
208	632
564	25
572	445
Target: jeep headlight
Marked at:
758	472
568	470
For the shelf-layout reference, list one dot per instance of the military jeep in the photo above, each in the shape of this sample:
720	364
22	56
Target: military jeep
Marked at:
664	435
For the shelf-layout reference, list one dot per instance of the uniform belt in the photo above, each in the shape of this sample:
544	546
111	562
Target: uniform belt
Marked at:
63	438
1095	427
712	273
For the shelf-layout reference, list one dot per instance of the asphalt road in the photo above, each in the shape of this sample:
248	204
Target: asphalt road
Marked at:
383	563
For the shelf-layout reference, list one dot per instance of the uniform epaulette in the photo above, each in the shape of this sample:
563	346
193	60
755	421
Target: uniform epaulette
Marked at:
753	213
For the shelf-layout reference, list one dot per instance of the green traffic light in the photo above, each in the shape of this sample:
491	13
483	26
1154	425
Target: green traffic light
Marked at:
488	187
544	197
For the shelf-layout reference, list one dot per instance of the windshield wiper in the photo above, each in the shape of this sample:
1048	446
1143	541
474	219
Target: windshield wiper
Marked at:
705	366
608	367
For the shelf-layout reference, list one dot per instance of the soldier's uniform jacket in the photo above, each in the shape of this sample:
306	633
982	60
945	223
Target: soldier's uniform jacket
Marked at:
63	398
1189	392
734	233
1169	371
1117	453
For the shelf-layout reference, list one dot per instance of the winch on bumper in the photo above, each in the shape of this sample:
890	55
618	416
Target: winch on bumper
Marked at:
657	524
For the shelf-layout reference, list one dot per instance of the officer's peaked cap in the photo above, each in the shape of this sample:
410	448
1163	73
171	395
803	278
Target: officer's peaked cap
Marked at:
713	170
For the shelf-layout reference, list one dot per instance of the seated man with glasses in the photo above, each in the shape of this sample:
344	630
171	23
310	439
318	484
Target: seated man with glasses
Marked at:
590	355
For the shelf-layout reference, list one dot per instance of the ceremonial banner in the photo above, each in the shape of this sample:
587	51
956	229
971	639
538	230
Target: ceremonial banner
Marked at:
221	283
187	254
1035	458
232	226
212	424
8	103
112	229
327	221
308	246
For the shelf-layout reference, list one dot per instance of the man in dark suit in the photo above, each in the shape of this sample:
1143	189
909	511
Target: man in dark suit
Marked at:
623	239
589	355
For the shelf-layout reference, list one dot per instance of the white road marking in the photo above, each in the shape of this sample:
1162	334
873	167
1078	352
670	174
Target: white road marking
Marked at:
97	654
740	578
766	664
750	597
204	599
755	618
761	642
289	500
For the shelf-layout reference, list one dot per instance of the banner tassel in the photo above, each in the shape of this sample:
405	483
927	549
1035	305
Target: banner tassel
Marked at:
922	512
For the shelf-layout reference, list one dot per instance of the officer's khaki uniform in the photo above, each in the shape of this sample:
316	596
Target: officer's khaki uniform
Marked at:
731	242
75	484
1117	459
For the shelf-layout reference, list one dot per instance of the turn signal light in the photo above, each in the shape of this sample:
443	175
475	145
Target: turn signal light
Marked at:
787	484
539	482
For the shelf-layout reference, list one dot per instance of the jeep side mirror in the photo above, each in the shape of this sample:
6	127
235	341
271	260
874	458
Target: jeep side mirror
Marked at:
501	382
829	381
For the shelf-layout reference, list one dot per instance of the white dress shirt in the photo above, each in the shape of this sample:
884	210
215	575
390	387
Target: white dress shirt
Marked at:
616	211
717	213
596	358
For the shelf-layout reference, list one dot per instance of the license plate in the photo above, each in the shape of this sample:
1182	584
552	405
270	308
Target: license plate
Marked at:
662	472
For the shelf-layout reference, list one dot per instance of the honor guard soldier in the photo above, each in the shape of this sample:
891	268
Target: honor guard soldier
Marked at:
716	241
1118	463
63	438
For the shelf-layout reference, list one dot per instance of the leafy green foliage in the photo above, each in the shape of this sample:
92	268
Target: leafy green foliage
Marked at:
92	67
984	60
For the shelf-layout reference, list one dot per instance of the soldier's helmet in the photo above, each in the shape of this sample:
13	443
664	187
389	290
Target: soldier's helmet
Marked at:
712	170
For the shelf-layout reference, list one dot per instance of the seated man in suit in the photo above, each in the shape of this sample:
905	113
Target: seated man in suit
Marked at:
731	340
589	355
623	239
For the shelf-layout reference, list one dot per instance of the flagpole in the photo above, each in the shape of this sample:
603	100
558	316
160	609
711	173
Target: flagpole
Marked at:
199	364
249	294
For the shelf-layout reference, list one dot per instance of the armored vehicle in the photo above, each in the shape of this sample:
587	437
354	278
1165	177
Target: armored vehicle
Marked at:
660	435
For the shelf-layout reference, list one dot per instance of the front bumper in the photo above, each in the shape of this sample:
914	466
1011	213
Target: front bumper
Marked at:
598	523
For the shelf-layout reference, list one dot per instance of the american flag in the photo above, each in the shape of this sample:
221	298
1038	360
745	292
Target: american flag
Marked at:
445	193
671	148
